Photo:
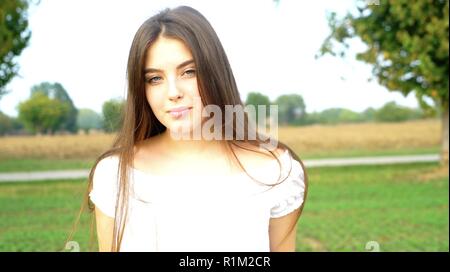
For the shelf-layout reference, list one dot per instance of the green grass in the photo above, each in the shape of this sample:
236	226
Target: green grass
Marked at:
369	153
350	206
24	165
346	208
38	216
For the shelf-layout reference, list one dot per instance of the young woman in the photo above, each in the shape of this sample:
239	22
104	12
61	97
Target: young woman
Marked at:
161	189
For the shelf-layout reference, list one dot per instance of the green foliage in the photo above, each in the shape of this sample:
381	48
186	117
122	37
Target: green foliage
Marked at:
112	115
291	109
369	114
42	114
336	115
255	99
9	125
88	119
5	123
407	44
391	112
56	91
290	105
14	37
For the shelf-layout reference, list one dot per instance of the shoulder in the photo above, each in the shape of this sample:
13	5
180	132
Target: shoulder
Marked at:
106	171
291	192
255	158
105	185
107	164
262	164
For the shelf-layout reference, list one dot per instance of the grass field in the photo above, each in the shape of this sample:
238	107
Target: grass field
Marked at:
310	142
402	207
24	165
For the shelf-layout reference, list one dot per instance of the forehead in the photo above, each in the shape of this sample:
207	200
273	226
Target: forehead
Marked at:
166	52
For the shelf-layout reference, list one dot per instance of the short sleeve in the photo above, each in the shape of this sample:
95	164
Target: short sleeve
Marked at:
105	185
289	195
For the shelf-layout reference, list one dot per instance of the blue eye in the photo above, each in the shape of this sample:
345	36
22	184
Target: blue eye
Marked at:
190	72
152	80
156	79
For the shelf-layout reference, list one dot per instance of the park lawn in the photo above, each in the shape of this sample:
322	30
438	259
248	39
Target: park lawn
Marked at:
402	207
38	216
25	165
358	152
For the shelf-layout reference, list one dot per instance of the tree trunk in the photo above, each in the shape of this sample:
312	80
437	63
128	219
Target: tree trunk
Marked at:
444	151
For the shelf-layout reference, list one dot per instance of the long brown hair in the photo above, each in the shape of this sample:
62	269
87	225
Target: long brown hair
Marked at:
216	85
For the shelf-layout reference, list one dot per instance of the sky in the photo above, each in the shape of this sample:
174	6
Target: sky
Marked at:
84	45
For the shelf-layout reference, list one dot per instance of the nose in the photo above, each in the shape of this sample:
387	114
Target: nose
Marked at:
174	93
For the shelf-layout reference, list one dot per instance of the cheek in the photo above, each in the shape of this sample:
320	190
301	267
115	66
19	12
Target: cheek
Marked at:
190	87
153	101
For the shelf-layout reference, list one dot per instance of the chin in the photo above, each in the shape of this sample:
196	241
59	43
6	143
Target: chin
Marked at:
181	128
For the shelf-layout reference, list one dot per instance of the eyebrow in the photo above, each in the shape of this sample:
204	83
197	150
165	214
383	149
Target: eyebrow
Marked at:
181	65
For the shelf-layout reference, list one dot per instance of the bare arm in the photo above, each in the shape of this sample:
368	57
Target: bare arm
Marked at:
105	227
282	232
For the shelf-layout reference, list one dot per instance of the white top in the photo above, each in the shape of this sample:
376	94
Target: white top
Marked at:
201	213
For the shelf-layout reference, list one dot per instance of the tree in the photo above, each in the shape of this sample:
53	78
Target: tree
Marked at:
255	99
9	125
339	115
291	109
407	44
5	123
334	116
88	119
369	114
112	115
14	37
42	114
57	91
391	112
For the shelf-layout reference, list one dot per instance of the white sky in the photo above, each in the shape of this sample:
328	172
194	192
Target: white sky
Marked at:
84	45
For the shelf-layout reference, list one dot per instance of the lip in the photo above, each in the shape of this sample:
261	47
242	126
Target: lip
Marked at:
179	109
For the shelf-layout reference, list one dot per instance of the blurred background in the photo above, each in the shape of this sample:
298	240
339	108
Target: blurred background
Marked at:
361	88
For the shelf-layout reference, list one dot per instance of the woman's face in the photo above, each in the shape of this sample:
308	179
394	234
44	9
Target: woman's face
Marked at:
171	84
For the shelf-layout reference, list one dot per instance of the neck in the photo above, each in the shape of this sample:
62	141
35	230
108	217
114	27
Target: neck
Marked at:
190	148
